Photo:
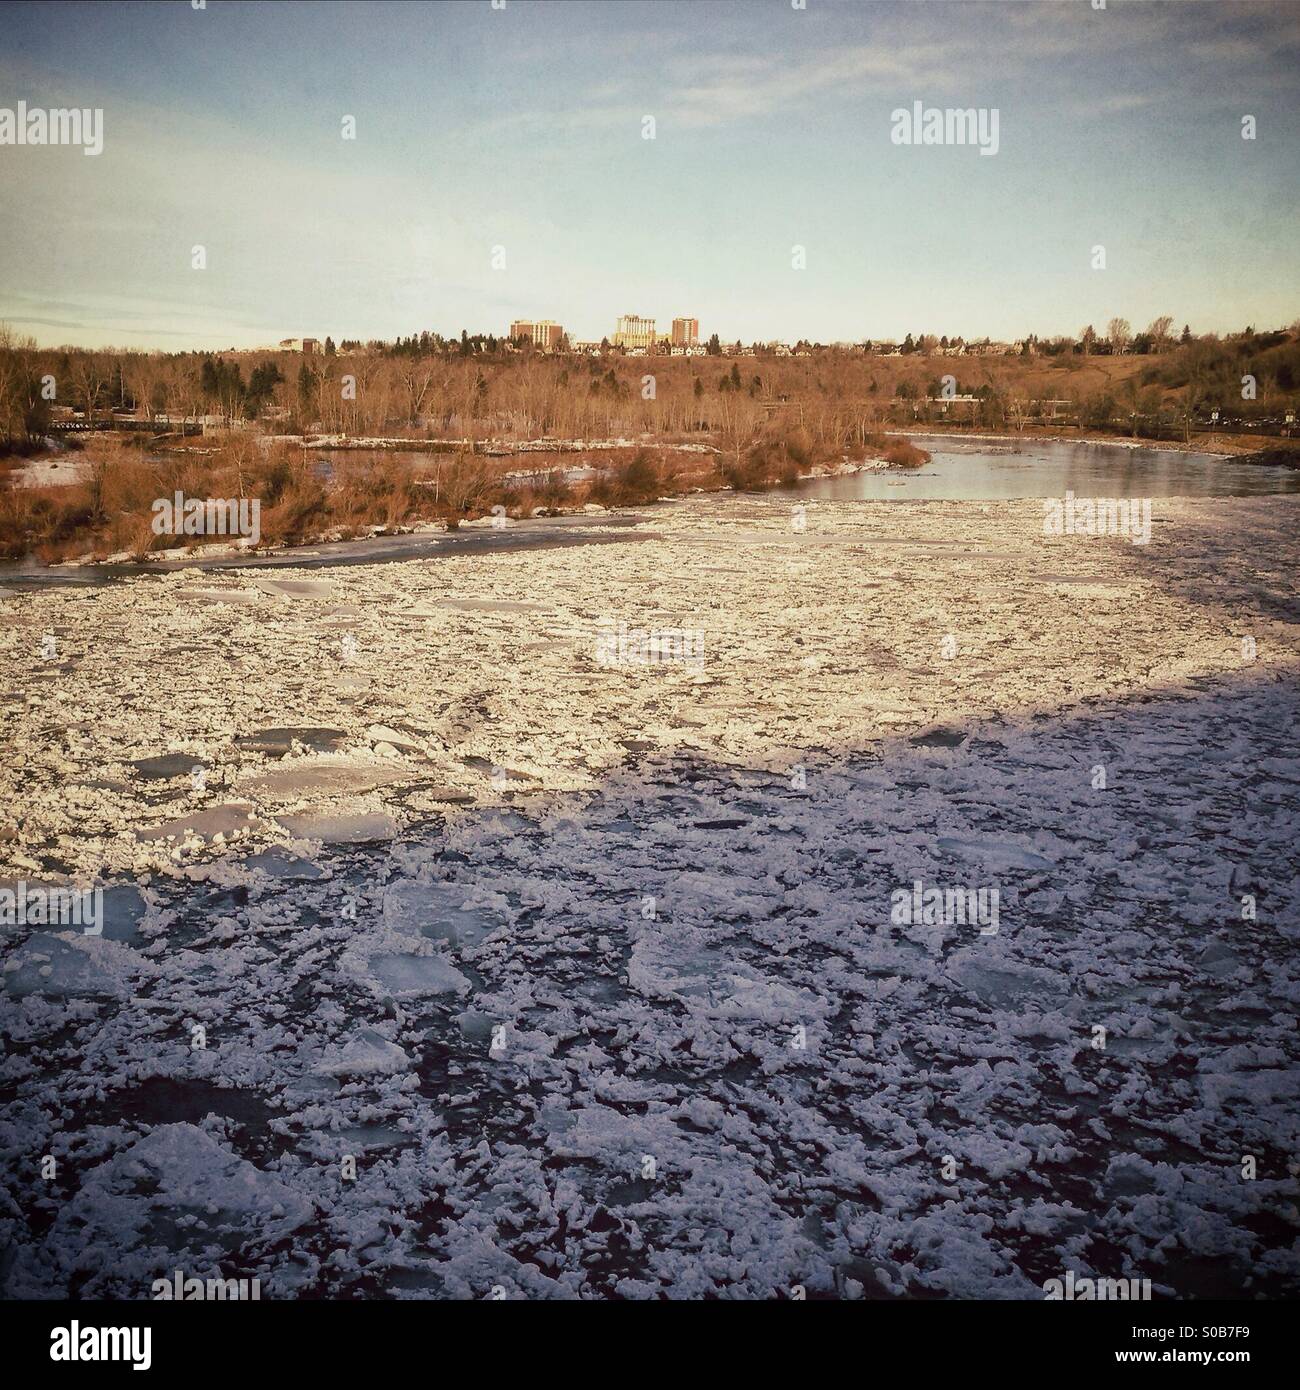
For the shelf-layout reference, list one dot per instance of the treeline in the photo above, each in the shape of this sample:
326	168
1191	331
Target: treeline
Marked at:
473	393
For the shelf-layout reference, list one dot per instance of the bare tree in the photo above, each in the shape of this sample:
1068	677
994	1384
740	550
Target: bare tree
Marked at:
1119	333
1159	331
11	378
89	377
416	378
185	388
143	375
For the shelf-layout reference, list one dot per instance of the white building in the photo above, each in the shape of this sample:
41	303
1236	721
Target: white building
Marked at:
634	332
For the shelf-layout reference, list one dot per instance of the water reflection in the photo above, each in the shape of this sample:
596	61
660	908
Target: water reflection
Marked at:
983	471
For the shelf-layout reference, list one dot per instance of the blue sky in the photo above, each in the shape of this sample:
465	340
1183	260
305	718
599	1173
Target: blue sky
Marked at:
522	128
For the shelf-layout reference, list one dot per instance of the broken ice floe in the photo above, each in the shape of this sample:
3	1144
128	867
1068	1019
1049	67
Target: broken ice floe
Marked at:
342	828
67	964
366	1053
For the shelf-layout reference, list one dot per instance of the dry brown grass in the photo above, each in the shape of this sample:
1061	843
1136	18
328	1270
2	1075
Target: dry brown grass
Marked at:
111	511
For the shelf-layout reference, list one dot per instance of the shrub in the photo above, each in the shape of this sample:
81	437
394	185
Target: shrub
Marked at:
902	453
553	488
637	480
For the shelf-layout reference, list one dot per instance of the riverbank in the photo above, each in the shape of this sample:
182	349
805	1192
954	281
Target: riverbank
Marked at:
1219	445
108	511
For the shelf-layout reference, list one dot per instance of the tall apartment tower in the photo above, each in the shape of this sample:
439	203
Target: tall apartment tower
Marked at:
634	332
542	333
686	332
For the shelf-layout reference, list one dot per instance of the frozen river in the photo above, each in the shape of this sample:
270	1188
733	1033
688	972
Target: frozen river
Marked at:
444	959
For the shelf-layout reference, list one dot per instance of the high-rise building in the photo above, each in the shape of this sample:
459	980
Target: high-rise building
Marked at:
686	332
542	333
634	332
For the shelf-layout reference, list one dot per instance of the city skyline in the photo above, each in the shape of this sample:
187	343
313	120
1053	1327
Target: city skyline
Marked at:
462	201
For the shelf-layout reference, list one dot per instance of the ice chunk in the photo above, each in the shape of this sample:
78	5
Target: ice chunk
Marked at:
227	820
414	975
476	1026
488	605
382	733
435	910
166	766
123	908
366	1053
180	1189
276	742
304	778
356	828
277	862
320	589
992	852
243	597
64	965
679	961
1001	981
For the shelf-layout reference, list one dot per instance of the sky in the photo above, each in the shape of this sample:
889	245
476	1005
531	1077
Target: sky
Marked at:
523	128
